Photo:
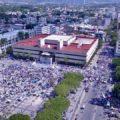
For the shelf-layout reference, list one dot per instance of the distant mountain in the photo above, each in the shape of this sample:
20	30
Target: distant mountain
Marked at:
58	1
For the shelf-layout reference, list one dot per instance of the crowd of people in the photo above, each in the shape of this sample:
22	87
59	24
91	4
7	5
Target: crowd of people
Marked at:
19	80
23	82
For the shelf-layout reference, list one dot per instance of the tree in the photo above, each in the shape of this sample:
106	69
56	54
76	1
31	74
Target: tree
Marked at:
118	68
117	73
48	114
114	38
113	34
26	35
19	117
3	41
21	35
58	104
116	91
113	42
116	61
62	90
9	50
30	26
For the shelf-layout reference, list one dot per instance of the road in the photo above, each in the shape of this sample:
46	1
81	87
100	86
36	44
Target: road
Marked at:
91	111
95	112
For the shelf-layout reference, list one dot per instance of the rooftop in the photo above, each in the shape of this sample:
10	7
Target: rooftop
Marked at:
31	42
11	34
73	47
59	37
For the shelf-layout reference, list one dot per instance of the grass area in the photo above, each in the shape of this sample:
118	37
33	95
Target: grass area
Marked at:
54	108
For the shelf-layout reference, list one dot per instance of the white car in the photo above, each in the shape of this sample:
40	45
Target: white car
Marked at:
83	106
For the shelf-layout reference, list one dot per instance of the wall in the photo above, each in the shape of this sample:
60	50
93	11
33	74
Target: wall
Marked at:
92	50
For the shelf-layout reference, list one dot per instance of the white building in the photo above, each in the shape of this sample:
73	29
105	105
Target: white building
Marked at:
38	29
117	52
11	38
48	29
58	48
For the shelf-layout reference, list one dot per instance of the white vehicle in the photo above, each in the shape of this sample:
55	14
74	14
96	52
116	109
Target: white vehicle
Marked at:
83	106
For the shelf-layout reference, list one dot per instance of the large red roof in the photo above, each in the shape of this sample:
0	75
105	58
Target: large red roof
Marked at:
73	47
31	42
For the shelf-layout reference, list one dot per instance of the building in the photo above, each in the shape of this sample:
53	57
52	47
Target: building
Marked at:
10	37
18	26
48	29
89	30
58	48
117	52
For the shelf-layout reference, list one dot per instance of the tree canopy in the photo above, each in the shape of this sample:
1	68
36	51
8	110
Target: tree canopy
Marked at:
58	104
21	35
19	117
117	73
116	91
3	41
116	61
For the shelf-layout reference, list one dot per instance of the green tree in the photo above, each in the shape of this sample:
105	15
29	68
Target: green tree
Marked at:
117	73
9	50
118	68
58	104
21	35
62	90
116	91
3	42
19	117
26	35
116	61
48	114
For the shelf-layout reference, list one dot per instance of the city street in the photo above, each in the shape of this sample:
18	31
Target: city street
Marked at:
97	78
97	88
